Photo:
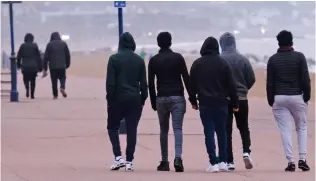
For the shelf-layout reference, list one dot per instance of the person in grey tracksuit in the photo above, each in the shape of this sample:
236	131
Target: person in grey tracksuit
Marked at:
245	78
170	68
288	92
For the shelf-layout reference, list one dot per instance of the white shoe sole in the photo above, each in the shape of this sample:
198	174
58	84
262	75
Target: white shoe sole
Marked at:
129	170
118	167
248	163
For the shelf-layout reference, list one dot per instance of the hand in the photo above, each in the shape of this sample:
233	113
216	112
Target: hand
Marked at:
44	74
235	109
195	107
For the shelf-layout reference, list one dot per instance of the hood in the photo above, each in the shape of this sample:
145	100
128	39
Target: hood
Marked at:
210	46
127	42
164	40
55	36
227	42
28	38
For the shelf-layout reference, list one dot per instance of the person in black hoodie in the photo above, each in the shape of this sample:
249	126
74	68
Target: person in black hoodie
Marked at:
212	81
29	60
126	93
57	55
288	92
169	67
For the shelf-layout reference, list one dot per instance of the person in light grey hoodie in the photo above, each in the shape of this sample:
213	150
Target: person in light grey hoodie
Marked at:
245	78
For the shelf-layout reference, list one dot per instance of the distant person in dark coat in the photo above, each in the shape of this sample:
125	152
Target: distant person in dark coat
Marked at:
126	93
29	60
57	58
211	82
288	92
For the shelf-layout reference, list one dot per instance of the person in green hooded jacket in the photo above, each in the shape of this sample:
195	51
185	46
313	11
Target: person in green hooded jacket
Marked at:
126	93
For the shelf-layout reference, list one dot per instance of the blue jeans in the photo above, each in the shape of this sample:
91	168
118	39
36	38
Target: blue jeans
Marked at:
214	119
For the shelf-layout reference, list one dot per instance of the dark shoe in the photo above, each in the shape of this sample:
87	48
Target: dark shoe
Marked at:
303	165
178	165
290	167
163	166
55	97
63	92
27	94
32	97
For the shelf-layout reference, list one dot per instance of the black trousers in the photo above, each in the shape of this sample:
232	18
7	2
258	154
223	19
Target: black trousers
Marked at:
242	124
55	75
131	111
29	79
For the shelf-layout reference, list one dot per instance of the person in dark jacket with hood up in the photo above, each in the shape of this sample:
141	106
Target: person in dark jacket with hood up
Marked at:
126	93
169	67
212	81
245	79
57	57
29	60
288	92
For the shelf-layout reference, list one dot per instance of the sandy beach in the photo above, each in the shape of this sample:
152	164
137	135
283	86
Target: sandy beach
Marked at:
94	65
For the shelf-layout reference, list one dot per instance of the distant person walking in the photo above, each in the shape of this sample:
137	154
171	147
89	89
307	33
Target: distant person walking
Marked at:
288	92
211	79
245	79
29	60
126	93
57	55
169	67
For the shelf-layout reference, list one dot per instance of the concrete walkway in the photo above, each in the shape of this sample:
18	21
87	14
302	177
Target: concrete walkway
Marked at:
66	140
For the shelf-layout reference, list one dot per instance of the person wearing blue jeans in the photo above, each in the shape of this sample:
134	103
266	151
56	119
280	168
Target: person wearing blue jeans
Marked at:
212	82
170	69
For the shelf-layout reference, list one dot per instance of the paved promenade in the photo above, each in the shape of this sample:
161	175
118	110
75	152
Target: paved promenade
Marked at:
66	140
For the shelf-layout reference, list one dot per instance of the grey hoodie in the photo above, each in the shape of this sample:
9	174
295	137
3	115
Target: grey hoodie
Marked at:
240	65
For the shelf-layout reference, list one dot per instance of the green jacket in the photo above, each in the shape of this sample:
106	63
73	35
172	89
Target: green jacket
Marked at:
126	73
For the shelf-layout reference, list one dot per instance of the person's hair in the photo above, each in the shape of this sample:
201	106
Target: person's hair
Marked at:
164	40
285	38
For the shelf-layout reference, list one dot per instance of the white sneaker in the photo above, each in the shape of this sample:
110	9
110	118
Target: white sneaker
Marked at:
223	167
213	168
231	166
118	163
129	167
247	161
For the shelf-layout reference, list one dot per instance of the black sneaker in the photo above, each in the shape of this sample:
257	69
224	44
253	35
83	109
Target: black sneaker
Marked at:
163	166
178	165
303	165
290	167
27	94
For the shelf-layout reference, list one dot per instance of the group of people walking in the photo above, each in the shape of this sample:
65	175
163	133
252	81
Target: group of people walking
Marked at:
31	62
217	86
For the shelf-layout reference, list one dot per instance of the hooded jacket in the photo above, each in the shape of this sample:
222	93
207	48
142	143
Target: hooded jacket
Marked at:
240	65
169	67
211	78
126	73
57	54
28	57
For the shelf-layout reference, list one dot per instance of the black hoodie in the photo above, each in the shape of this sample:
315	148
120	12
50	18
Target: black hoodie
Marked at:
28	57
211	77
169	67
126	73
57	54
